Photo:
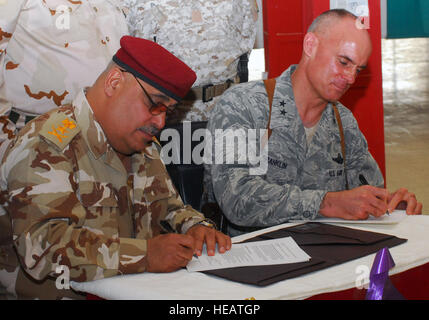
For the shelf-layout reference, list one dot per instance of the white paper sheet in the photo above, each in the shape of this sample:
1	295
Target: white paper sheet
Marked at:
394	218
258	253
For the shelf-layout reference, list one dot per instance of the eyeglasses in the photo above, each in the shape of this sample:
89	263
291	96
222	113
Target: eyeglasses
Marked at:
155	108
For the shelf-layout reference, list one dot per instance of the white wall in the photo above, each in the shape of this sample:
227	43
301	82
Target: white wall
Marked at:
260	28
383	6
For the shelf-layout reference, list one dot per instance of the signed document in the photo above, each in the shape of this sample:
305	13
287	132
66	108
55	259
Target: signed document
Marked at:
258	253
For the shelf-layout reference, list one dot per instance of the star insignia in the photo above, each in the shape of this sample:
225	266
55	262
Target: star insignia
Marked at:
283	112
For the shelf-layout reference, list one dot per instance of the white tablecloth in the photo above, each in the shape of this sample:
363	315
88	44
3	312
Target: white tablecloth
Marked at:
182	284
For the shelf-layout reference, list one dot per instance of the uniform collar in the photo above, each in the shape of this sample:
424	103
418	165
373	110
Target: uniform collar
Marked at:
284	111
151	151
285	114
92	132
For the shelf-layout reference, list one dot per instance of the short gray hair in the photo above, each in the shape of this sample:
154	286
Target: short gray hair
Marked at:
329	16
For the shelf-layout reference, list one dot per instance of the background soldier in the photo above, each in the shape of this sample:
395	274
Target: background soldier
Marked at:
210	36
49	49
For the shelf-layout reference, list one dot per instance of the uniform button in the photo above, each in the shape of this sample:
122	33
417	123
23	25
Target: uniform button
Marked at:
307	214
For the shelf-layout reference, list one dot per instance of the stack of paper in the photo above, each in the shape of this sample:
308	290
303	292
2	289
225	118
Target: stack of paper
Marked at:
258	253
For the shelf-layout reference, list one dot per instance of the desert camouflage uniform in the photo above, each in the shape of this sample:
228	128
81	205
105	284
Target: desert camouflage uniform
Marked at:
209	36
298	175
49	49
72	203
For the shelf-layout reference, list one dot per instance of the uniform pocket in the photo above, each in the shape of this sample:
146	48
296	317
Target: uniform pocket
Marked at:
97	194
158	188
101	208
333	179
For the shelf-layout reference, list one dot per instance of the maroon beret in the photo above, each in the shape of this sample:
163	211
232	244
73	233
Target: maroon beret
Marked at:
155	65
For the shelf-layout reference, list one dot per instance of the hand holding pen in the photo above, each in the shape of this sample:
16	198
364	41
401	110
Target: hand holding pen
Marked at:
364	182
361	202
401	199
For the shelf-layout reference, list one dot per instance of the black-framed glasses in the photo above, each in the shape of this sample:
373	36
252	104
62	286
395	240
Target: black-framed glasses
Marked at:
155	108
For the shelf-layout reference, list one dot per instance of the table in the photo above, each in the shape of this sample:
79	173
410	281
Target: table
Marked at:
183	285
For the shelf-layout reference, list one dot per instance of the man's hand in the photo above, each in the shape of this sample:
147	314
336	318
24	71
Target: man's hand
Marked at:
404	200
210	236
355	204
169	252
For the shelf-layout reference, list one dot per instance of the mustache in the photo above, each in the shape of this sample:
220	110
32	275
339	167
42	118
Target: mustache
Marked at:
151	130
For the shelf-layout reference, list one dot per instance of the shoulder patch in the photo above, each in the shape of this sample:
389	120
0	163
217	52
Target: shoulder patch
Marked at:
60	128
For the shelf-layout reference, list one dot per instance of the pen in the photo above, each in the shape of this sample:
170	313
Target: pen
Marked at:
364	182
169	229
167	226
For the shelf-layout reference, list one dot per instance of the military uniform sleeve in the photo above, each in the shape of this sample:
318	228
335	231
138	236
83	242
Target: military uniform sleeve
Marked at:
359	160
248	199
9	13
51	227
166	205
181	217
249	9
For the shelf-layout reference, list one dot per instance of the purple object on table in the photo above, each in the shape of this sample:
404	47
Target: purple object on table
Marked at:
380	286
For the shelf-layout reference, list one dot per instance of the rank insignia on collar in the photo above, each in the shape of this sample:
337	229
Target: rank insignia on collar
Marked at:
61	130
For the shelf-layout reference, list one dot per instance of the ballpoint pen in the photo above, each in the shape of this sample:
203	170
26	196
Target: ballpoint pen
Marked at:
364	182
167	227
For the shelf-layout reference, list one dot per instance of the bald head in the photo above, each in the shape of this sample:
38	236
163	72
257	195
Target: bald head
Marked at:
336	22
336	48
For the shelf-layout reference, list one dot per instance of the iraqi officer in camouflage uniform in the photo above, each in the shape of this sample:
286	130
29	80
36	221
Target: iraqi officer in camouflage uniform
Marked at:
85	188
209	36
49	50
306	174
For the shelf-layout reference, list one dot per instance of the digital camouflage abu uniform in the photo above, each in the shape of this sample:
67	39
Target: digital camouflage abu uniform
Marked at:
72	204
49	50
298	175
209	36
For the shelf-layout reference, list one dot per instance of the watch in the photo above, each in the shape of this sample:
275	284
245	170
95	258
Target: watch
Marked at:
207	223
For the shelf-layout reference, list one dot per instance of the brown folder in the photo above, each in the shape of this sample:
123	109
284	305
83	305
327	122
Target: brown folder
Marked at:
327	245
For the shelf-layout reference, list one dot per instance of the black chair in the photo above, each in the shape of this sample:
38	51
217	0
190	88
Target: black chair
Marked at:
186	177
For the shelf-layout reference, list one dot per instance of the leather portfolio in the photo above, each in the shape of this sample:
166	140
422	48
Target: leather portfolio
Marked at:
326	244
